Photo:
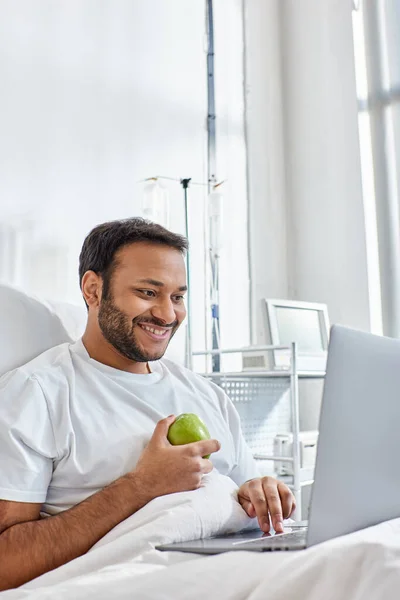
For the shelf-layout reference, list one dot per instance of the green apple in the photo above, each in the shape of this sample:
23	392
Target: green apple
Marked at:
188	428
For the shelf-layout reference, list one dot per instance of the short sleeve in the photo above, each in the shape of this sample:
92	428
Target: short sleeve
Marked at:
245	467
27	443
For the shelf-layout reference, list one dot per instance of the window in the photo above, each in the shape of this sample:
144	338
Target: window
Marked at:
376	31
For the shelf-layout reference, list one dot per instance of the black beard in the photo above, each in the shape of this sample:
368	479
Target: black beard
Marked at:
118	330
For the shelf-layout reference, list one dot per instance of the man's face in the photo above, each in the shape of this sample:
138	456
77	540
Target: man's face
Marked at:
145	303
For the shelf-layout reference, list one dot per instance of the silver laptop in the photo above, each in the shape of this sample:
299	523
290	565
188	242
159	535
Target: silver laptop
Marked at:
357	474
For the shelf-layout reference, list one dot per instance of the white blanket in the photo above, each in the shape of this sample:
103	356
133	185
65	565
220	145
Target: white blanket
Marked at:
124	564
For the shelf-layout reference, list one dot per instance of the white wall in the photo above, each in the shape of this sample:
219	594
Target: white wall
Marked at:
97	96
307	218
266	160
324	188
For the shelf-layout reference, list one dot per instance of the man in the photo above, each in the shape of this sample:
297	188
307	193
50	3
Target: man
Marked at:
83	432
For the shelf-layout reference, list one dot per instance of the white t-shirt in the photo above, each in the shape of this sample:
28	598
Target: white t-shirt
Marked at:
70	425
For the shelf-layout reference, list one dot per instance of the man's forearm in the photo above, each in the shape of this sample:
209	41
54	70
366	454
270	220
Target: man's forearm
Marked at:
30	549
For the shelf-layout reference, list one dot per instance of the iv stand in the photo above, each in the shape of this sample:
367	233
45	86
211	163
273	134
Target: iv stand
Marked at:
188	349
212	167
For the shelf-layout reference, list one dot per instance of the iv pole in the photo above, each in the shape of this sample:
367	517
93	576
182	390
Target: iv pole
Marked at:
212	167
188	350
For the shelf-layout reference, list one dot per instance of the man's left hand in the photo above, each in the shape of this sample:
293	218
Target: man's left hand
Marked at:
267	499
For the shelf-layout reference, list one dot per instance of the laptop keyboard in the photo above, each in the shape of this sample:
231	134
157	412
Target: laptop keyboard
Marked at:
288	541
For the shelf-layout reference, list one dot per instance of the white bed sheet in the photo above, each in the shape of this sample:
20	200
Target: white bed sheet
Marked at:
124	564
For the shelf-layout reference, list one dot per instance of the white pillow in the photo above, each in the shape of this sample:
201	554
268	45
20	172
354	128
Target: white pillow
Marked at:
28	327
72	316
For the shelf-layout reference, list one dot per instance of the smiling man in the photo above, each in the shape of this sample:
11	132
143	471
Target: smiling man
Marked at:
83	431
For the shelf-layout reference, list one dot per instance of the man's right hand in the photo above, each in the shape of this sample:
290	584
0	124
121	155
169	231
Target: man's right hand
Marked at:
165	469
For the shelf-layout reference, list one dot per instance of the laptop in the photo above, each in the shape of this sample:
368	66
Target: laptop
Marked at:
357	472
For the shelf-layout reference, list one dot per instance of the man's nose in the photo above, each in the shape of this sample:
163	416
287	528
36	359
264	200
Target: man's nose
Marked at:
164	311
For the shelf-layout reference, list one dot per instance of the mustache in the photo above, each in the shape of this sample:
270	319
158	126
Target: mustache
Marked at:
155	321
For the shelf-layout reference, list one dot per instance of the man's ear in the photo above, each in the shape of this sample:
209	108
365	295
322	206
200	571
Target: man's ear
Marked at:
92	286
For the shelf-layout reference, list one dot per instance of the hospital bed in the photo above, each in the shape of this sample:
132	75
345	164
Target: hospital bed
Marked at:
124	564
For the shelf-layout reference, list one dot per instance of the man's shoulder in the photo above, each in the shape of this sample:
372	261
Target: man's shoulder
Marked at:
185	374
179	370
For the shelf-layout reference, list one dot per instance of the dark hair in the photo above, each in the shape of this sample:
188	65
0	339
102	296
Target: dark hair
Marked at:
103	242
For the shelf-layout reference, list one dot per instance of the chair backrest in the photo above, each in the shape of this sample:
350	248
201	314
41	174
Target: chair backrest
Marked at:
29	326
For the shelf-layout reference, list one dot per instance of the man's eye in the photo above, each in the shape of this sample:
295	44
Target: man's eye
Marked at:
179	298
148	293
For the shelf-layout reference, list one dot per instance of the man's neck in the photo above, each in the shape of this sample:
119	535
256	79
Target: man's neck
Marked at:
105	353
